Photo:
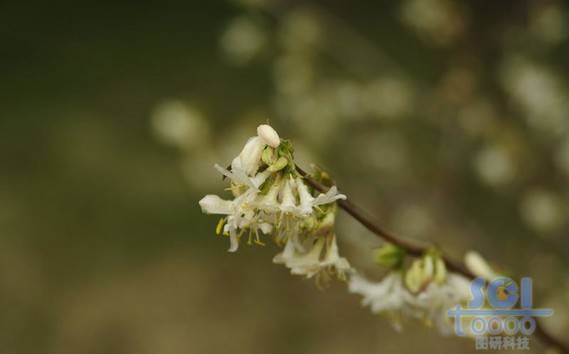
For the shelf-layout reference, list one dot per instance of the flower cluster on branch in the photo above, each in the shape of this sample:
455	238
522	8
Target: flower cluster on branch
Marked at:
271	200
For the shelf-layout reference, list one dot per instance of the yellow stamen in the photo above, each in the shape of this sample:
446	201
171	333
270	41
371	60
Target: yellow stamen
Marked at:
219	227
258	239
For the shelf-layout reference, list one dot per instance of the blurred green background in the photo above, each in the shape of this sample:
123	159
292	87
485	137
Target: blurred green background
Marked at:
446	120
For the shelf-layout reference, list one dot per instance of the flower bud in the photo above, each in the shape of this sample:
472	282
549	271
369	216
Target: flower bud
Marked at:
212	204
413	277
478	265
250	156
428	267
420	274
281	163
269	135
440	270
268	156
389	256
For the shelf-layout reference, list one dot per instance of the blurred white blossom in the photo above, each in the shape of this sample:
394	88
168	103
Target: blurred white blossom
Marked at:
388	97
495	166
543	211
243	40
179	124
476	264
300	31
436	21
541	94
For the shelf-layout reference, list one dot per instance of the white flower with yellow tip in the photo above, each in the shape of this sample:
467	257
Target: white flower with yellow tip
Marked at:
240	216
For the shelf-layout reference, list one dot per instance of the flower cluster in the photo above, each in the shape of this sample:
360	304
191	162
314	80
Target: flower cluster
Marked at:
425	290
271	200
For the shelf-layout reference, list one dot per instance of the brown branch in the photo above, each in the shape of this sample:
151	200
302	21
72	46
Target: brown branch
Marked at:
416	250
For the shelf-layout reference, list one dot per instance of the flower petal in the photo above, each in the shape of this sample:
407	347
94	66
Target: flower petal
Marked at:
306	200
331	196
236	175
250	156
234	241
269	135
212	204
288	203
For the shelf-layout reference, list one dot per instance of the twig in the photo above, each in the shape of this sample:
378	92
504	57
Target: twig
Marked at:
417	250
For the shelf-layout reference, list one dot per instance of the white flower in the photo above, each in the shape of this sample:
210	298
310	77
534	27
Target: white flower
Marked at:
240	177
269	135
245	166
387	296
288	204
240	216
478	266
433	303
306	199
269	202
391	296
291	196
272	200
306	202
321	260
331	196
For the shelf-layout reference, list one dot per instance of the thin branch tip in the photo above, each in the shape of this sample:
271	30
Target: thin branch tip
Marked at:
416	250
